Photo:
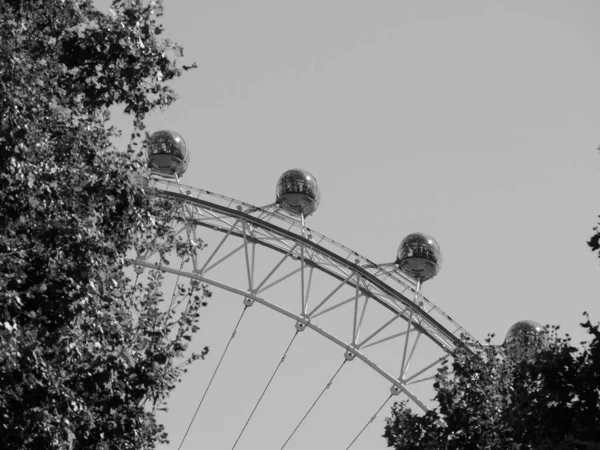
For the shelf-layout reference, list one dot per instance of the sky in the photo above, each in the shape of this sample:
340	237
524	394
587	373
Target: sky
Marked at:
473	121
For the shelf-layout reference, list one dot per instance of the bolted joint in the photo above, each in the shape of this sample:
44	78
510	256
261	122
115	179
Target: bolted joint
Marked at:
138	269
349	355
395	390
248	301
300	326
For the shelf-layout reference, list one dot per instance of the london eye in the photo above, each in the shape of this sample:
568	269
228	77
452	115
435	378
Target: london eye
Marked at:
372	314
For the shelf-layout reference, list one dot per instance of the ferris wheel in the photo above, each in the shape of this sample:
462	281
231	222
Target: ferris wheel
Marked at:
374	313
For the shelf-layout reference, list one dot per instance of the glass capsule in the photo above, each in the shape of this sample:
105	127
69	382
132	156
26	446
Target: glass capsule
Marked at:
297	192
524	339
167	153
419	256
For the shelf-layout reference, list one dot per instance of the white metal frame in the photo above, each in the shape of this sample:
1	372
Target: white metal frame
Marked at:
315	254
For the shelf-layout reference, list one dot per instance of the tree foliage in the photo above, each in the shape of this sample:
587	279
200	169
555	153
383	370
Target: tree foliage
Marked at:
86	354
594	242
486	401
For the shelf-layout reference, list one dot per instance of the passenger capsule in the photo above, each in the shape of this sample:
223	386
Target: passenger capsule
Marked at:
524	339
298	192
167	154
419	256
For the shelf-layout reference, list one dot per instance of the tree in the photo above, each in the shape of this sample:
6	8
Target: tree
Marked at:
87	354
486	401
594	242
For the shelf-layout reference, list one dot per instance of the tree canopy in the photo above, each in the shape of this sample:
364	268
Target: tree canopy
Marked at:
87	354
550	400
594	242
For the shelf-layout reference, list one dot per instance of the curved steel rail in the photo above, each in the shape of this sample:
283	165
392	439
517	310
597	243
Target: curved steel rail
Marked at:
282	233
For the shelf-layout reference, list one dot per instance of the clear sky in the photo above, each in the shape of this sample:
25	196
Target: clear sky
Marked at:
474	121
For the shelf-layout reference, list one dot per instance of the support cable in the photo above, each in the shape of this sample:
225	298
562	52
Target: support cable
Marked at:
369	422
165	325
327	386
174	296
135	283
137	277
212	378
131	306
265	390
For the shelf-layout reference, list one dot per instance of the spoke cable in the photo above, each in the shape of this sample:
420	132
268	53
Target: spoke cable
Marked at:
174	296
265	390
327	386
369	422
133	290
212	378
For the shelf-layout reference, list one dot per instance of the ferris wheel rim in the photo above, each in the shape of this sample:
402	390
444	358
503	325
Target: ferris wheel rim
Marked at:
241	221
458	341
166	187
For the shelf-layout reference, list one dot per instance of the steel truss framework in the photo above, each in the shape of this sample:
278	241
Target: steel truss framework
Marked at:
304	255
